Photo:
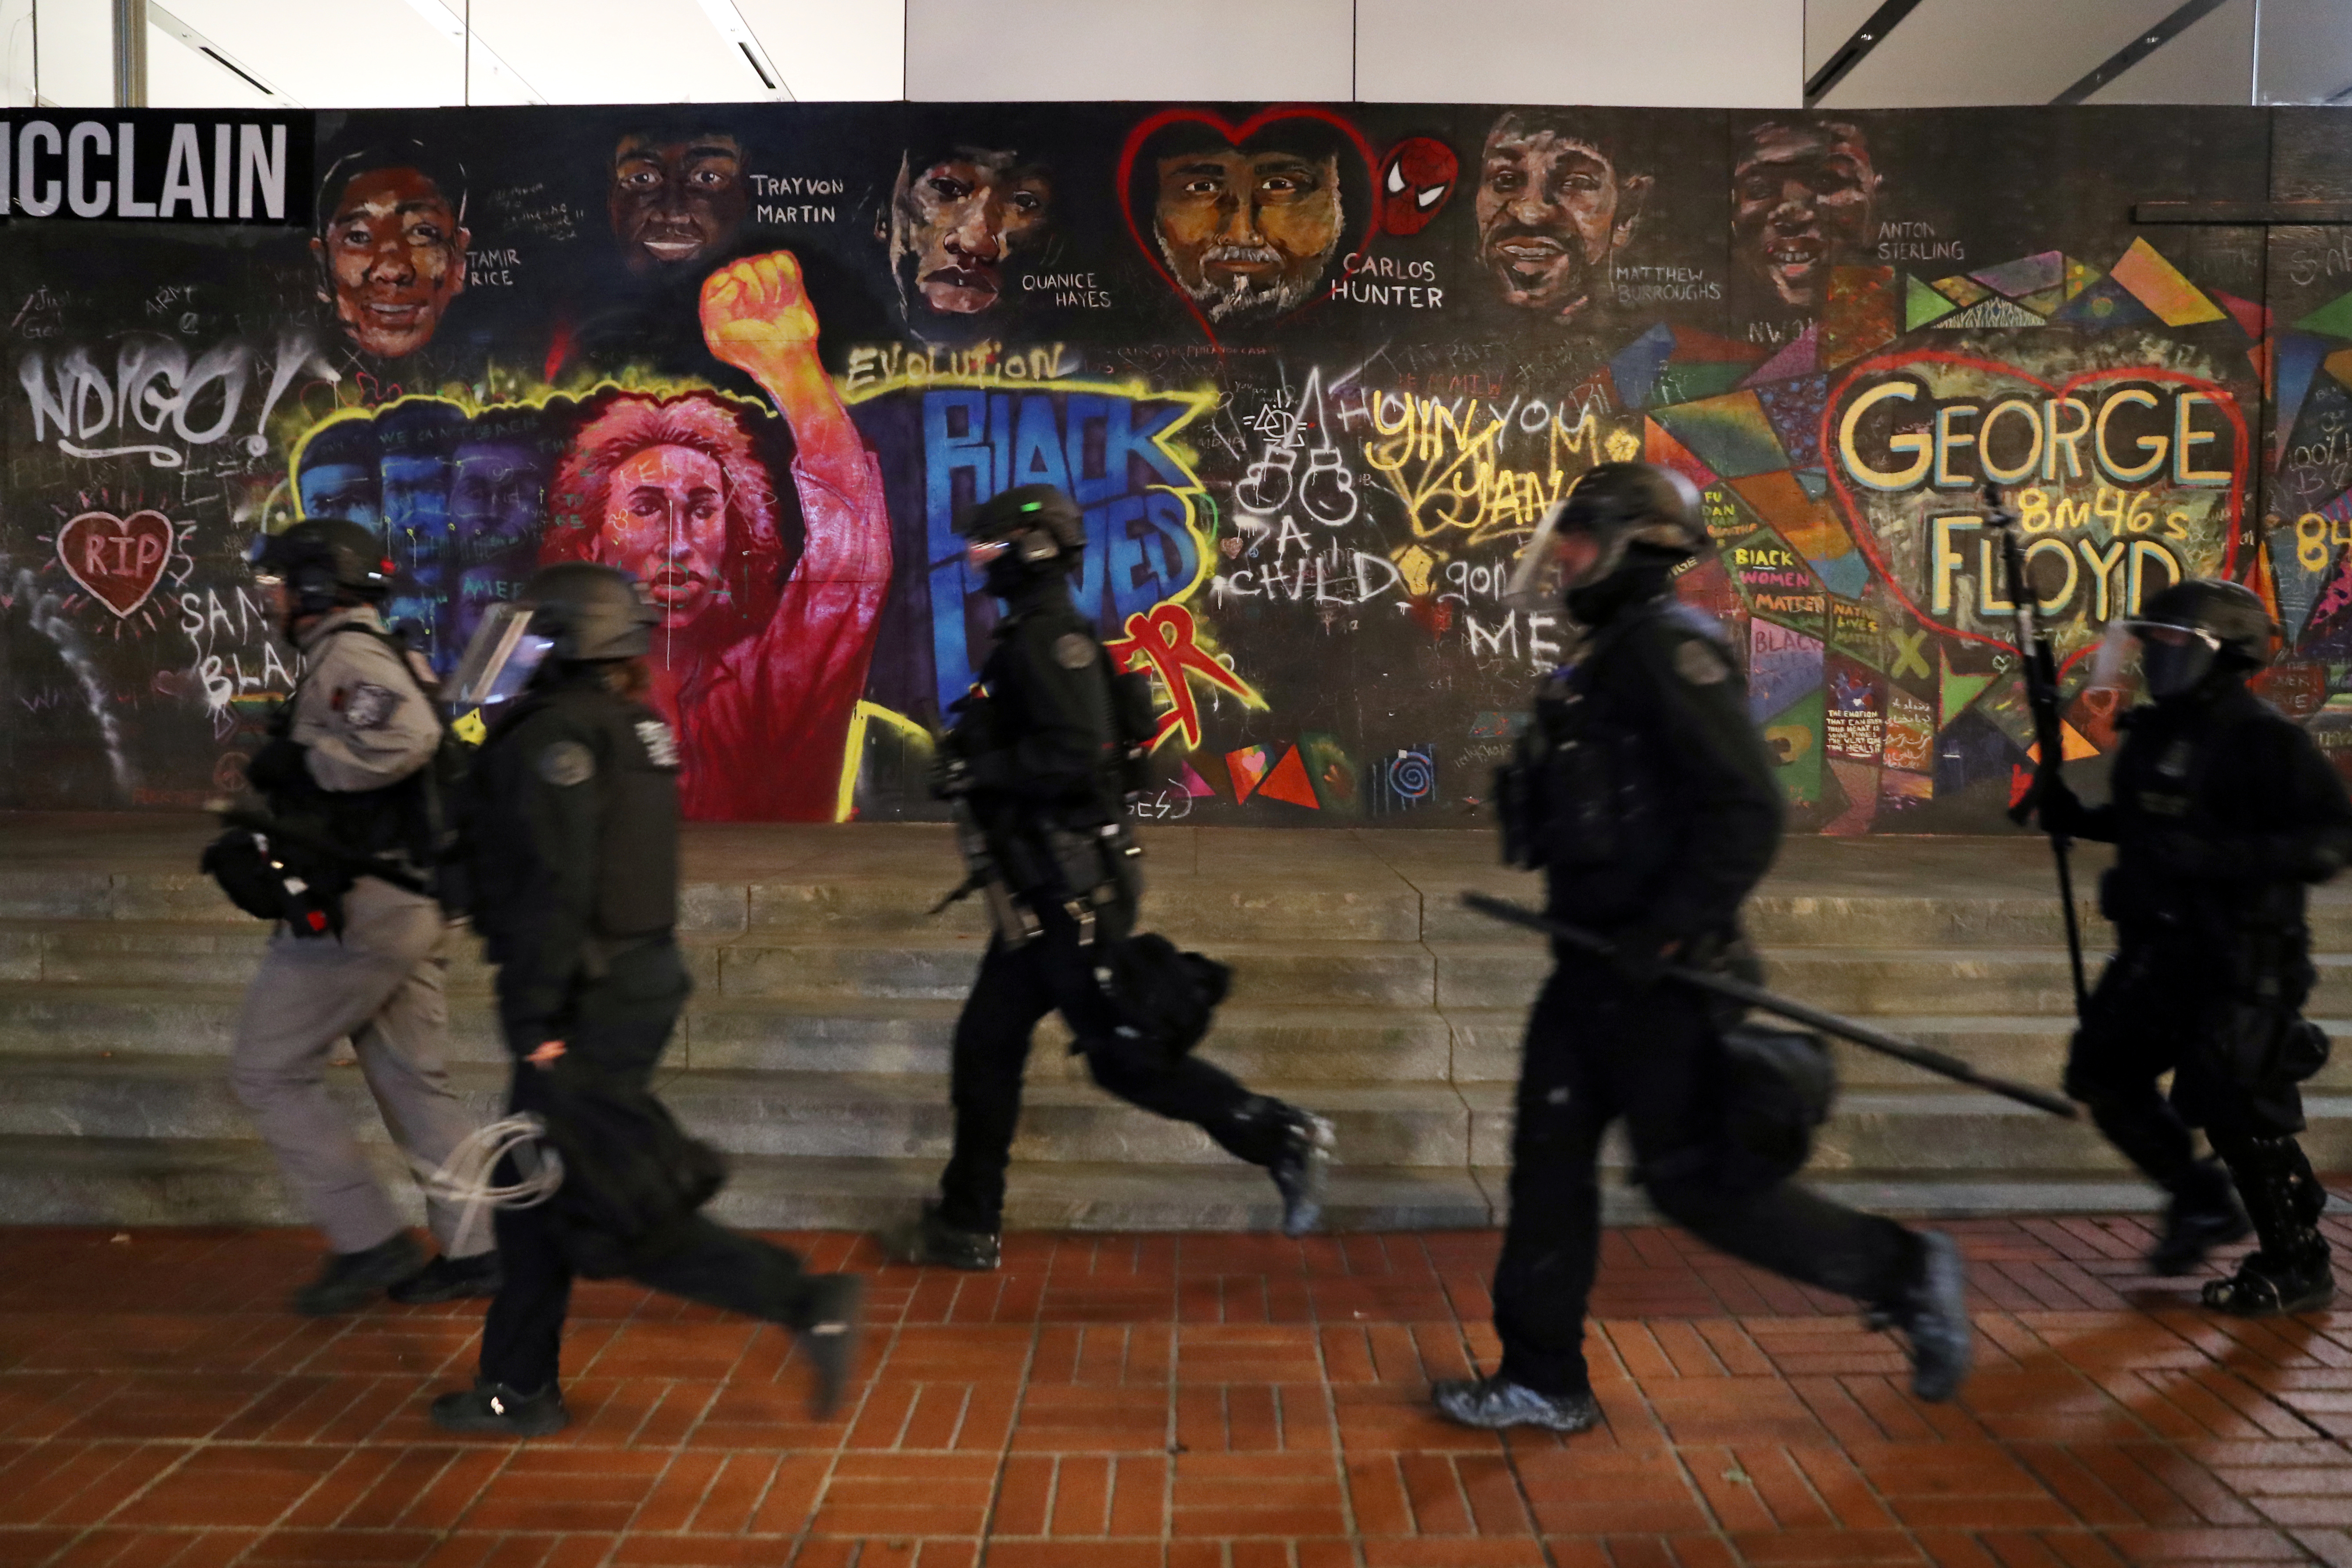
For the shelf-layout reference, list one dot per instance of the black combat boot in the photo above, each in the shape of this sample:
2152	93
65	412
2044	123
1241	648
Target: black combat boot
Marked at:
350	1280
2292	1271
931	1241
495	1410
2204	1213
448	1279
1301	1169
1931	1312
829	1338
1493	1403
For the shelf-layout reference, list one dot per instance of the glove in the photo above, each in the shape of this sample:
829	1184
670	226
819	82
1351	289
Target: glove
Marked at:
275	767
951	776
2057	807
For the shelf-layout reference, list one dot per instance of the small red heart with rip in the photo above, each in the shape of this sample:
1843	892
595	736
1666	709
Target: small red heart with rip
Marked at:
119	560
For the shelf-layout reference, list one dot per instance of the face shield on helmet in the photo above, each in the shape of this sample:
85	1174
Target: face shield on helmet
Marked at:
1551	561
500	661
2173	658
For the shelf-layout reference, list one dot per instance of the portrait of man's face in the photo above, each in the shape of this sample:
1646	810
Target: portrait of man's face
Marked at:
666	525
674	200
495	491
956	220
341	489
1248	235
1801	202
394	256
1553	209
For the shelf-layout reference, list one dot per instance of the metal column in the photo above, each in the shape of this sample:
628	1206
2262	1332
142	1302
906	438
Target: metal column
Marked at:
129	54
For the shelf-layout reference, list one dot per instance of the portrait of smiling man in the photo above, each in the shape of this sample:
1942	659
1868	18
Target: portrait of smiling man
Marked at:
677	196
1248	231
963	217
391	246
1555	208
1804	196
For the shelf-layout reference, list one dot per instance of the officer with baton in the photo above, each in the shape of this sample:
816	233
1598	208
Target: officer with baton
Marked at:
1649	801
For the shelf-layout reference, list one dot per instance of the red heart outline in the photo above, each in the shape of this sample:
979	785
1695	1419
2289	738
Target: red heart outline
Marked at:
1236	135
120	592
1866	538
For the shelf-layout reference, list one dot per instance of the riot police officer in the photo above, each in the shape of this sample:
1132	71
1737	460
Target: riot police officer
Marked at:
572	826
349	767
2221	810
1648	800
1035	765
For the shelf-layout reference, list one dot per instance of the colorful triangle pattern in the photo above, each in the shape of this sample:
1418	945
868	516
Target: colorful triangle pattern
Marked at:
1922	305
1246	767
1289	782
2158	285
2335	319
1955	689
1994	312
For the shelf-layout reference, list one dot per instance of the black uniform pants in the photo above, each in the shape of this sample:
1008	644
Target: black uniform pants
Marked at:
1599	1048
1018	986
622	1023
2164	1006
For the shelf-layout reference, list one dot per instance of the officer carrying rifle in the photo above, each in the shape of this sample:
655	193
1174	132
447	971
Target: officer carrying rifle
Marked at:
1037	767
2221	810
1647	799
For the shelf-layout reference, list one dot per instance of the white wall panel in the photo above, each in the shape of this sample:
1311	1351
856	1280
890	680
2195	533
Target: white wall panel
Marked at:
830	50
1199	50
350	54
2307	50
616	51
2210	61
77	52
180	77
1962	52
1727	53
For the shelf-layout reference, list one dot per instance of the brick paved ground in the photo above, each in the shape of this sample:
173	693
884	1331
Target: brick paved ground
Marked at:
1196	1402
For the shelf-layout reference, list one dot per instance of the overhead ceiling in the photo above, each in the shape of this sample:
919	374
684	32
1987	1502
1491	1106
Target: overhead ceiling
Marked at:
415	53
360	54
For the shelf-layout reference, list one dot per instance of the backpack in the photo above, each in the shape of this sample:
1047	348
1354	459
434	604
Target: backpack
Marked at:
442	786
1162	995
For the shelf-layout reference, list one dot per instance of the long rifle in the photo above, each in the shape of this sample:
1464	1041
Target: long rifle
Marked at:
1904	1050
2049	735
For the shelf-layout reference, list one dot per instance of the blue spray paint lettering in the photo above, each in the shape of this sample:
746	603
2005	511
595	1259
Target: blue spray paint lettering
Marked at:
1104	450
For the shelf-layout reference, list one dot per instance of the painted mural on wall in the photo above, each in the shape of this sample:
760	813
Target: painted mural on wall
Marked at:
1311	372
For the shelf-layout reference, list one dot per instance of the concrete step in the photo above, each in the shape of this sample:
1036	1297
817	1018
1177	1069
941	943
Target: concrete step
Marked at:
819	1115
937	965
1920	1133
1306	1044
1859	982
1931	1134
98	1181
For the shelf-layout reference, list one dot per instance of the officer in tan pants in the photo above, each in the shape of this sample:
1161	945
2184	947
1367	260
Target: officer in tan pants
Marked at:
349	766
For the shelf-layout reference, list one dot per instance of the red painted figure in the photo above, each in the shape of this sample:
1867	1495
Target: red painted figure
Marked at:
759	671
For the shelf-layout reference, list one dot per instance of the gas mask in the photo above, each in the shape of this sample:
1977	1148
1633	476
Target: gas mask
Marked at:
1010	562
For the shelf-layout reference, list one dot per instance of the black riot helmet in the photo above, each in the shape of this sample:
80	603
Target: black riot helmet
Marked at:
2194	630
1021	535
1636	512
589	612
324	563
